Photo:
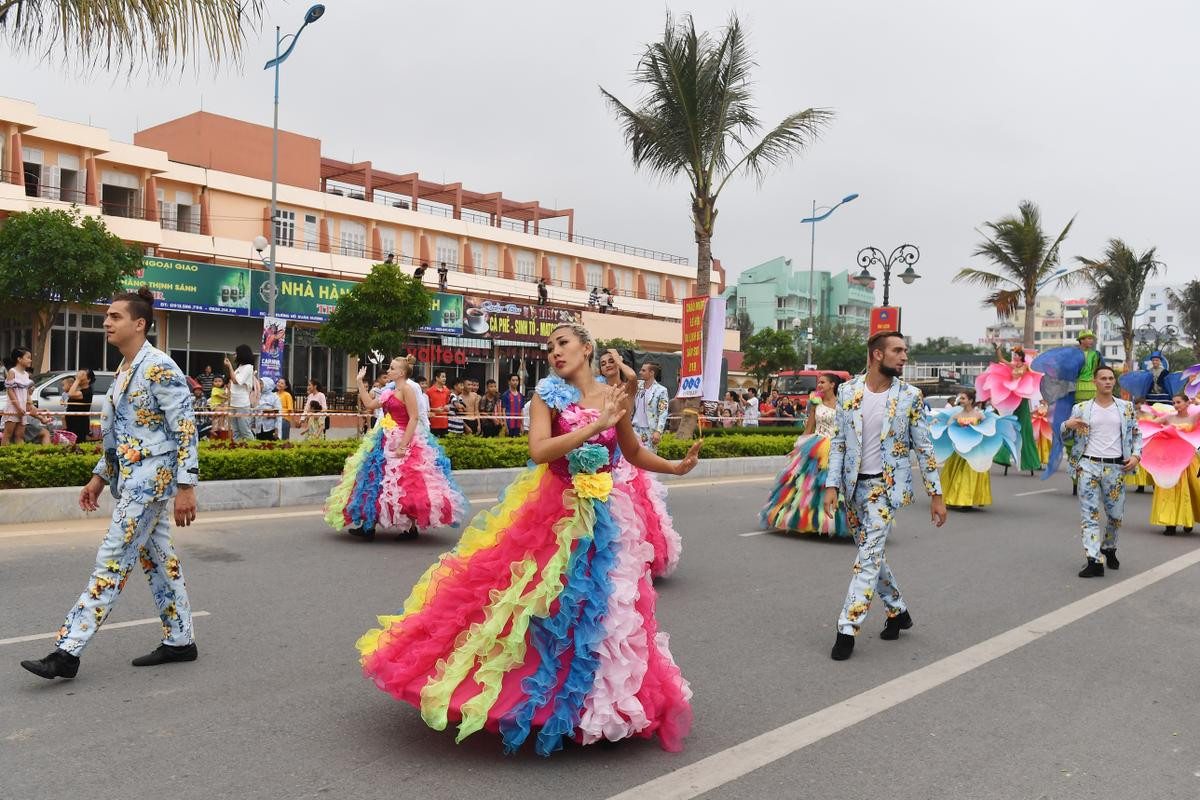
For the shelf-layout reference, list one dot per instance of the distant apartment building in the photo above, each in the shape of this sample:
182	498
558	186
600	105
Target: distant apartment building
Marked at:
194	193
774	294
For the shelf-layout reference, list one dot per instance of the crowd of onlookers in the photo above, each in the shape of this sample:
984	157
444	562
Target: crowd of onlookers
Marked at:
750	410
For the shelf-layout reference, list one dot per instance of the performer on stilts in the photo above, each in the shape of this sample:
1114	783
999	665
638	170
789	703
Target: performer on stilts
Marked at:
149	457
1010	386
1169	455
1106	444
796	503
880	420
647	494
541	622
393	479
966	440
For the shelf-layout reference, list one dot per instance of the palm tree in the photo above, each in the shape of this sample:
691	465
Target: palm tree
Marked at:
1187	303
1118	280
696	117
111	33
1025	261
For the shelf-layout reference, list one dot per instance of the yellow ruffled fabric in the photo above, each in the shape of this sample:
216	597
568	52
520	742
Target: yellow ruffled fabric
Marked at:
1178	506
595	487
963	486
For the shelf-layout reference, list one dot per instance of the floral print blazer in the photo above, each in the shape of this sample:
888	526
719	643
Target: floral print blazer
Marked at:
149	427
905	429
1131	434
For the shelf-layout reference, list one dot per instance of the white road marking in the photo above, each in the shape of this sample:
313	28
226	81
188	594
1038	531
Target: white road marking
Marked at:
1039	491
107	627
89	526
754	533
735	762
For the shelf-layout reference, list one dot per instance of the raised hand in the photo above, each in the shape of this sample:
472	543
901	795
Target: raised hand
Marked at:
689	461
362	373
613	409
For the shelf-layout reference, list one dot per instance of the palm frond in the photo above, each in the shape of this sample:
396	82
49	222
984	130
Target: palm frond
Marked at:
788	139
158	34
1004	301
988	280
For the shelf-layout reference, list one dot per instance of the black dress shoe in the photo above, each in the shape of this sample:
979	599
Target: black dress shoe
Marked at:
893	626
59	664
1110	558
363	533
1094	569
1169	530
165	654
843	647
408	535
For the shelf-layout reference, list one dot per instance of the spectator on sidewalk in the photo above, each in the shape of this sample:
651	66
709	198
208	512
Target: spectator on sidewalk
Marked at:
456	410
287	407
513	404
268	426
242	384
312	422
489	410
218	403
205	378
77	397
439	403
315	392
750	408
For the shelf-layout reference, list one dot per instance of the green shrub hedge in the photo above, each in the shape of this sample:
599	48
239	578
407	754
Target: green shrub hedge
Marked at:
36	466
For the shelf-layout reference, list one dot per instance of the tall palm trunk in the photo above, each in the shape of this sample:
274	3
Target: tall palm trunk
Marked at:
1030	317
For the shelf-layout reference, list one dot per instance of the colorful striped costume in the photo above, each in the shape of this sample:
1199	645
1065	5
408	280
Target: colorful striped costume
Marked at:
796	502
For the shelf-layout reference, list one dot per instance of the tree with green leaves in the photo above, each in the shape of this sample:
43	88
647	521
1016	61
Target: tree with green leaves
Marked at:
941	345
1025	260
1118	280
616	343
745	325
697	118
378	314
766	353
837	346
52	258
158	34
1186	303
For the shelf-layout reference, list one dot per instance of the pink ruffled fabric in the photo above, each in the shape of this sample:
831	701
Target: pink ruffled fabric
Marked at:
1167	450
414	489
1005	392
649	499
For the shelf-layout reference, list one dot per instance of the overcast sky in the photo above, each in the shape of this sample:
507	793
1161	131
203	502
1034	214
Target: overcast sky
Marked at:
948	114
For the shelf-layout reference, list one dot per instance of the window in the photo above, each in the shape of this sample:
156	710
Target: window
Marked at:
477	257
447	251
353	238
741	304
285	228
32	160
119	195
653	285
70	179
312	234
595	275
387	241
406	245
525	265
1153	319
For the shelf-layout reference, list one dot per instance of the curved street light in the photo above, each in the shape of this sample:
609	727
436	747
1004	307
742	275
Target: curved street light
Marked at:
313	14
812	257
906	254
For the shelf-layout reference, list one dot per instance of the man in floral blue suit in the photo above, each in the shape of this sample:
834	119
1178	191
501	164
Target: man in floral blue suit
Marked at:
880	421
149	457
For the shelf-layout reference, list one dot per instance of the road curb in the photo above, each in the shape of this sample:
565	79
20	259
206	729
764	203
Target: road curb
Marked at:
62	503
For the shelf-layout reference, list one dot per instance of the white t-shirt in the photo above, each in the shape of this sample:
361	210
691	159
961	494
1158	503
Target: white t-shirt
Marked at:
239	387
1104	439
874	409
422	402
751	413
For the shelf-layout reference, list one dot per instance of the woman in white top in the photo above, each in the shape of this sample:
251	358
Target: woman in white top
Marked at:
241	384
796	501
16	396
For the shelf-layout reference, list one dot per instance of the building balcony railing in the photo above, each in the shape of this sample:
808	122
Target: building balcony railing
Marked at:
438	209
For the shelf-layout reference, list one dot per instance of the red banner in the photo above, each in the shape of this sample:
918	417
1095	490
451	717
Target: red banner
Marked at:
691	369
885	318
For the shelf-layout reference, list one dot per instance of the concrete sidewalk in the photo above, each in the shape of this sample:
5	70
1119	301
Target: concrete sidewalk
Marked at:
62	503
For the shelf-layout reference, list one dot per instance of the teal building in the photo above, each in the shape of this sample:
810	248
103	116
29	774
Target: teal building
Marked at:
775	293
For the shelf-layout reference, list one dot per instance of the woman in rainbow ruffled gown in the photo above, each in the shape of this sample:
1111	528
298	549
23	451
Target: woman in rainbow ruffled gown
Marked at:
541	621
966	439
647	493
1010	386
1169	455
796	502
394	479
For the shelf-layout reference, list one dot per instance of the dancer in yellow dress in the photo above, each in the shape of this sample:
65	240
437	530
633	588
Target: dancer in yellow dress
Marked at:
963	486
1178	506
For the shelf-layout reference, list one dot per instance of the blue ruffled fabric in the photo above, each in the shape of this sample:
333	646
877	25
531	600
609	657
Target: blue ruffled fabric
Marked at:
576	623
363	508
557	393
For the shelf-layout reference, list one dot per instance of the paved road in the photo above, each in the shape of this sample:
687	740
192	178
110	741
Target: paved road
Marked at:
1103	707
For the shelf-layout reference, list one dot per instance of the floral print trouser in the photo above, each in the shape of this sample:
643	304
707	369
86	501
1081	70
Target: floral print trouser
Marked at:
138	533
1100	484
870	521
646	437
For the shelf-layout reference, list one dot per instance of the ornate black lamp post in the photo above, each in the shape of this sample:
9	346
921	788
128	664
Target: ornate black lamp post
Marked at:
906	254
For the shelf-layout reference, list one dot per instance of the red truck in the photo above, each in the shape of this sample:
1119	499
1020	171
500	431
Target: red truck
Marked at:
798	384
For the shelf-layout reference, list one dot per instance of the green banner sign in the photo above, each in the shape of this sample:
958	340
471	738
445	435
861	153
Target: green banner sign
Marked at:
188	286
300	297
445	314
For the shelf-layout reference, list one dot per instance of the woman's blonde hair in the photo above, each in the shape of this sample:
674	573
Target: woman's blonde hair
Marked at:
406	365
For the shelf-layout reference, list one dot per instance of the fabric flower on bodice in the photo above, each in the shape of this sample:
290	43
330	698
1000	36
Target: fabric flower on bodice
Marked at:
978	441
1168	448
587	458
1004	388
557	393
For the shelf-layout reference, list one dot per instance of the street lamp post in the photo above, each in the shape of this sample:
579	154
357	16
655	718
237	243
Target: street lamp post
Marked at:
812	257
313	14
906	254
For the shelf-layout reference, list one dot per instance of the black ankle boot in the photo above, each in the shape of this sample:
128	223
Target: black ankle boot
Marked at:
59	664
166	653
362	532
843	647
408	535
893	626
1093	569
1169	530
1110	558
